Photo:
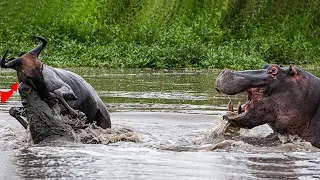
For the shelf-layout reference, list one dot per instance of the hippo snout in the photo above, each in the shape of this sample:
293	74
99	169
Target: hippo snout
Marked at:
225	74
220	78
217	85
231	83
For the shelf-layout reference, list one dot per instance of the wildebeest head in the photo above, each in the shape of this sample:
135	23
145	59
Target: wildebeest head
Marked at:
27	65
286	98
29	69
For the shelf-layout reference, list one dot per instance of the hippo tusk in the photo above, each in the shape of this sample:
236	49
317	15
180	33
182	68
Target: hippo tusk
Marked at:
230	106
239	110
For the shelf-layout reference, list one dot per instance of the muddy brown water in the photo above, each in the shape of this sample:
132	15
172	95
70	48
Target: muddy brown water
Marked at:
174	117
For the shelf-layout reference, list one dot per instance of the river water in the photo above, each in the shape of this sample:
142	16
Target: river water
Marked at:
173	116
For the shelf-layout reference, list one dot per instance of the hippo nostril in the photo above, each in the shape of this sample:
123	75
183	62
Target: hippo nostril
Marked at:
217	90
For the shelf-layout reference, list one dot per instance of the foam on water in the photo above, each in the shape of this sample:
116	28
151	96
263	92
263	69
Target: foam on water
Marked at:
97	135
150	146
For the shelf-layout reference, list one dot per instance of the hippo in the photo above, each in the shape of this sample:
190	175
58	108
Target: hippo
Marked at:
286	98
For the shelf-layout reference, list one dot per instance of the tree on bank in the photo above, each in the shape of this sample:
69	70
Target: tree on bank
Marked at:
240	34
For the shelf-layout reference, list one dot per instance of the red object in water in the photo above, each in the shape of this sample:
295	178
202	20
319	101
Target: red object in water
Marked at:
6	95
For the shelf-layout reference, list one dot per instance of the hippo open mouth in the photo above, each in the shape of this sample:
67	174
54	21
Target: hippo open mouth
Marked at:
285	98
259	99
253	96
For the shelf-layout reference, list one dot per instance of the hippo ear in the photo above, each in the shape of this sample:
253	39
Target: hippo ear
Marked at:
292	71
273	70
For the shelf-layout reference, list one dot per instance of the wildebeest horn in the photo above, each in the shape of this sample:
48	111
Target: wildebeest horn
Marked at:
13	63
36	51
3	60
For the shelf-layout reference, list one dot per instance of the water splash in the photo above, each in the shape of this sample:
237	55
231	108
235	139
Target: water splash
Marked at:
96	135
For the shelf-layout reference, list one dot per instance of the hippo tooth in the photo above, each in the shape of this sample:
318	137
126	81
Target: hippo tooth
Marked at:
230	106
239	110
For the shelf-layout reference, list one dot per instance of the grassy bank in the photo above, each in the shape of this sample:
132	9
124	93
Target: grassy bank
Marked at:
242	34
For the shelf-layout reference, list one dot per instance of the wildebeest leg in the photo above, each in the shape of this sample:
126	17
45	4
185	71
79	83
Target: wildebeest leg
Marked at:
16	113
59	95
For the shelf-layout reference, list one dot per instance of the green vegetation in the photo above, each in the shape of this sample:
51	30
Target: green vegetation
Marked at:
238	34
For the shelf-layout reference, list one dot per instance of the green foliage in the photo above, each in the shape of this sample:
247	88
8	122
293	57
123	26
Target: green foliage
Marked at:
240	34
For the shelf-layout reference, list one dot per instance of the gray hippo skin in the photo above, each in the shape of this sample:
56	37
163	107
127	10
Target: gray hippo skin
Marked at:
72	91
285	98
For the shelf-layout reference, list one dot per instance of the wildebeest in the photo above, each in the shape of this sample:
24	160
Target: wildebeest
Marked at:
72	91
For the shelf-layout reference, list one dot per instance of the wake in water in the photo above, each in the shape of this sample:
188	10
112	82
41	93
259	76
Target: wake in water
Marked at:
83	132
96	135
222	136
9	139
93	134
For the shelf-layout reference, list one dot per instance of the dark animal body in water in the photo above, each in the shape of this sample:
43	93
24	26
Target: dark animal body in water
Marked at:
72	91
45	122
285	98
